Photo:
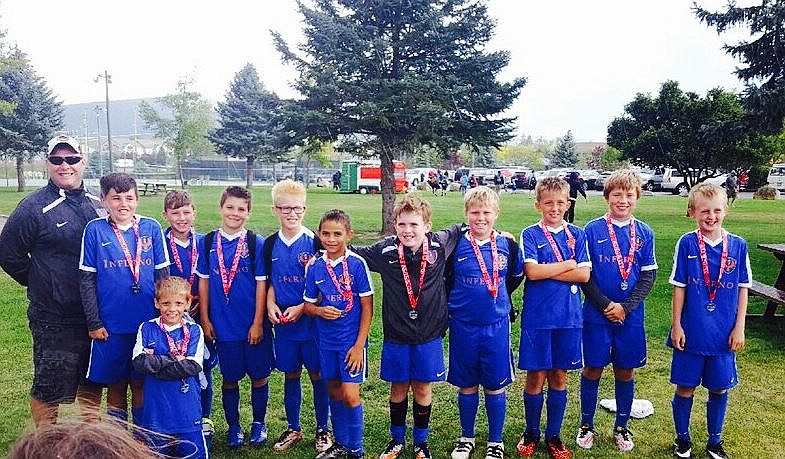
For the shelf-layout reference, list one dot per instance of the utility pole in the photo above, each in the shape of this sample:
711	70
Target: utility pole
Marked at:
98	134
107	79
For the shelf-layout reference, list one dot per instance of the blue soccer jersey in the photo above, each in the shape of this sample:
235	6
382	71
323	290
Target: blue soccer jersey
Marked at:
232	316
289	258
342	332
606	269
708	326
121	306
470	300
549	303
171	406
184	252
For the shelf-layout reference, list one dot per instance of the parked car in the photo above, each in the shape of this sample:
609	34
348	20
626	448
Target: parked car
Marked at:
589	177
414	176
674	181
776	176
523	179
599	183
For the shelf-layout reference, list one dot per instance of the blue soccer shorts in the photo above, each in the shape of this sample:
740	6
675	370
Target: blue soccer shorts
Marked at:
190	444
550	349
422	362
333	363
480	355
714	372
622	345
291	355
239	358
110	359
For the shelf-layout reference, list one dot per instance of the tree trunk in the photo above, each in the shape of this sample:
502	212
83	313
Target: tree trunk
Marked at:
180	173
275	176
249	172
20	174
307	172
388	191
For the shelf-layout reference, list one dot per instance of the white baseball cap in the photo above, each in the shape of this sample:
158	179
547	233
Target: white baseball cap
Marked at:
64	140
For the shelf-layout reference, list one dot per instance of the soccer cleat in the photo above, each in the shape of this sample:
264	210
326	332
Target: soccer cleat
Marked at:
235	437
208	430
392	450
422	451
557	448
682	449
287	439
585	438
258	434
464	448
623	439
333	452
527	445
716	451
494	451
323	441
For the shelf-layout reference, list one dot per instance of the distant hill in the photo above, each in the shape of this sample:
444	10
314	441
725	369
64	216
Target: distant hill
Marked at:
122	114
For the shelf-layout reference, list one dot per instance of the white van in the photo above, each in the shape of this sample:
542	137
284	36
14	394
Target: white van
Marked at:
777	176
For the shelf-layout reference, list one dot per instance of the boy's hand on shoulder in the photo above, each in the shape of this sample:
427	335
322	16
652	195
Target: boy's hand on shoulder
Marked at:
209	331
678	337
329	312
506	235
354	359
100	334
615	313
255	333
148	351
273	312
736	340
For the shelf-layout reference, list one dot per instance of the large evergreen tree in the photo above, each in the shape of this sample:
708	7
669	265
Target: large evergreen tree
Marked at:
251	123
32	116
388	75
183	123
763	57
565	154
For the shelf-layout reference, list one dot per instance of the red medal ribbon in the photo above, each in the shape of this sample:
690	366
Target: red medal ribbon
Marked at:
183	349
133	265
625	272
226	281
705	263
347	283
552	242
492	287
176	256
405	271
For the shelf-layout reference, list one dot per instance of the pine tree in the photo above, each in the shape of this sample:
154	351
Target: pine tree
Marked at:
565	155
251	123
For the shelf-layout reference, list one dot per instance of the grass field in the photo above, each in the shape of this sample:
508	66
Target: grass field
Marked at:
756	418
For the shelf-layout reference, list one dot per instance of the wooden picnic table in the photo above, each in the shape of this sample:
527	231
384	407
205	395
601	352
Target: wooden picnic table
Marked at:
152	188
776	293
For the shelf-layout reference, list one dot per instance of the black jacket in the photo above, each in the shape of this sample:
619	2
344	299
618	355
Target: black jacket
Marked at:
432	318
41	243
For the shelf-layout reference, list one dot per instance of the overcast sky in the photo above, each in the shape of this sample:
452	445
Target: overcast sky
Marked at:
584	60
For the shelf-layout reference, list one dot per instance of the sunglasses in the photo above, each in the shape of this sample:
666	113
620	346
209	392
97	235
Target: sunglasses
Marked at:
58	160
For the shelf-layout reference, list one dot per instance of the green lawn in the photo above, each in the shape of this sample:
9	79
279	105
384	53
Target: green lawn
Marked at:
756	417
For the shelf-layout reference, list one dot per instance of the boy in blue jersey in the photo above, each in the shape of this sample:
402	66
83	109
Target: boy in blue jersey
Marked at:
232	299
711	275
624	268
556	260
182	243
290	249
479	307
338	292
412	266
122	256
169	351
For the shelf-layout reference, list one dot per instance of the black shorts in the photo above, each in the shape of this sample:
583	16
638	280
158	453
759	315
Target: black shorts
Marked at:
60	356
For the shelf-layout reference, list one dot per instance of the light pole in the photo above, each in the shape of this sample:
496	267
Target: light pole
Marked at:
98	134
107	79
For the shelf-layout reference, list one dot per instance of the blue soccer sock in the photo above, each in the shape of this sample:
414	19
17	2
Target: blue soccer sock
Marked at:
625	390
716	407
259	397
556	406
467	408
230	399
590	388
207	394
356	429
292	399
682	407
532	404
137	413
496	410
398	420
339	421
321	403
422	421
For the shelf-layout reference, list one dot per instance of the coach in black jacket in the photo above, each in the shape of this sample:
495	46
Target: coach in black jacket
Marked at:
41	244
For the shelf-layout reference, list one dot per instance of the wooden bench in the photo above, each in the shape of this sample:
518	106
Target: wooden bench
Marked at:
152	188
774	295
